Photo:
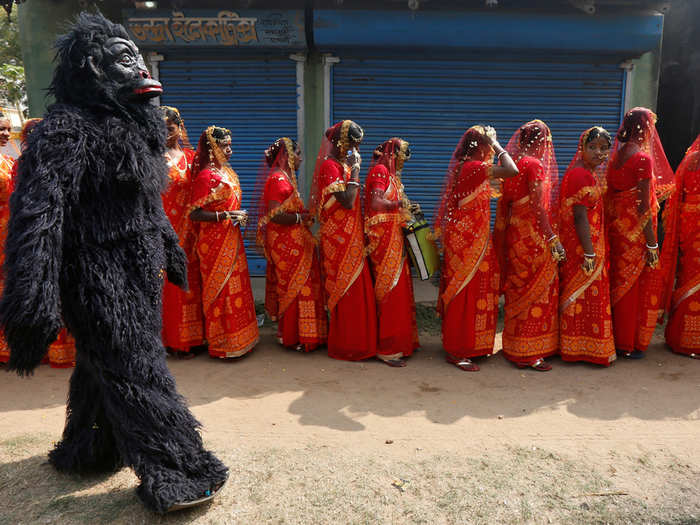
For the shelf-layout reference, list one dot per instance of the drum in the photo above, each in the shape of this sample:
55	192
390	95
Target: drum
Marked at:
422	251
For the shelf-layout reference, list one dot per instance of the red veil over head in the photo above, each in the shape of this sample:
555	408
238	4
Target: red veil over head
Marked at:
393	154
336	143
473	145
671	221
534	139
578	156
209	150
639	127
278	157
173	115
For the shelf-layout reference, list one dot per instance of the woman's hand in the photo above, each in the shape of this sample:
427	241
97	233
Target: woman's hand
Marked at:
653	256
588	264
558	252
490	133
239	216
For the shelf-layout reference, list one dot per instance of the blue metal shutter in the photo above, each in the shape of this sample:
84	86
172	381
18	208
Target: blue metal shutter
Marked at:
431	103
255	98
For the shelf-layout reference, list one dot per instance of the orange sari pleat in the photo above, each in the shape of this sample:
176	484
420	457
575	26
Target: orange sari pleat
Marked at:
585	315
350	298
531	286
183	319
293	295
683	328
468	300
393	288
635	288
231	327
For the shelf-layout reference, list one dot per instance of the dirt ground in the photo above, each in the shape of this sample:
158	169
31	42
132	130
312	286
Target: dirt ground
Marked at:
313	440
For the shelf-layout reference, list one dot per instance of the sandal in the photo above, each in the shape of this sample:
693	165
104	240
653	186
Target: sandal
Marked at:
207	496
540	365
394	363
463	364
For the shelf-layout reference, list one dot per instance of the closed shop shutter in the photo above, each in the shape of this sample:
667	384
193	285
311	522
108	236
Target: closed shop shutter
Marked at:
256	98
430	103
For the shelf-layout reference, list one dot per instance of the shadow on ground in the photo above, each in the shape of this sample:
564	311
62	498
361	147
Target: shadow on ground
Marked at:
336	394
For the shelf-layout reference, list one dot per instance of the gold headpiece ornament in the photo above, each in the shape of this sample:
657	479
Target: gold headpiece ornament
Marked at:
289	146
173	109
343	142
401	156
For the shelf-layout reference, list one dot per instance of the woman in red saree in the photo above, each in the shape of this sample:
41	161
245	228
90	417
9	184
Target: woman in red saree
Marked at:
61	353
231	327
386	209
335	200
585	321
529	250
681	256
638	176
7	165
293	295
183	323
469	279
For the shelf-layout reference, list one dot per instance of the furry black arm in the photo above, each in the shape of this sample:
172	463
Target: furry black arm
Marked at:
30	306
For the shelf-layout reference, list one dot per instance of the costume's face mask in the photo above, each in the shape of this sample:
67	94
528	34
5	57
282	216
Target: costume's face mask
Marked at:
124	67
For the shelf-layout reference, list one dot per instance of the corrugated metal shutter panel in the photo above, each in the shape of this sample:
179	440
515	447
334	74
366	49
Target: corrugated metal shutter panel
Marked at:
431	103
255	98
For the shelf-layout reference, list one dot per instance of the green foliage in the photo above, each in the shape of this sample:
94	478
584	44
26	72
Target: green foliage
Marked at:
12	83
10	50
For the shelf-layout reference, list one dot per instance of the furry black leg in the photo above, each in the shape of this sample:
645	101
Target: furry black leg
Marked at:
155	432
88	443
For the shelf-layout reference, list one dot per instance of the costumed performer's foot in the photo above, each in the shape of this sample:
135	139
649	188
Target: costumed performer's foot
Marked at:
164	489
208	495
463	364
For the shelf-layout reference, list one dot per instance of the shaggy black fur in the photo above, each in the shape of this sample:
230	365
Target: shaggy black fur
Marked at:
89	243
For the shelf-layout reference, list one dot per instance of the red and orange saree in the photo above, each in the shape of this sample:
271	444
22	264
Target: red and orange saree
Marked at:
585	324
468	300
231	328
529	272
6	185
293	295
636	286
183	324
682	256
350	296
393	287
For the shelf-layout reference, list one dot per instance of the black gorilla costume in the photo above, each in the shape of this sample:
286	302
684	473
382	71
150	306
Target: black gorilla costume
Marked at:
88	245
